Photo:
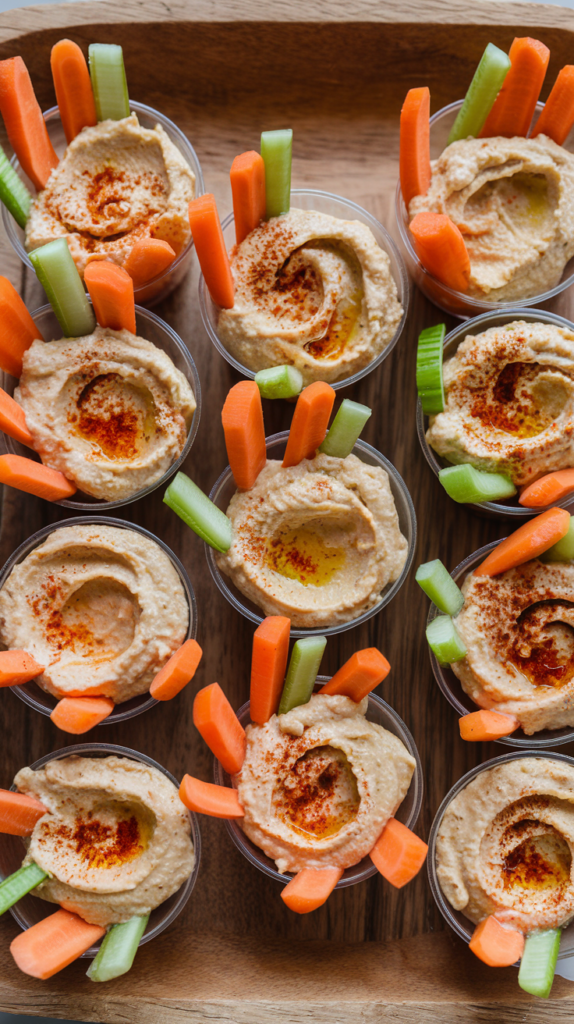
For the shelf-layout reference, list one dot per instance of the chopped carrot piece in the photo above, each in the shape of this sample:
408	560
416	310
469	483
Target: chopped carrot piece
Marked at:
557	117
17	668
548	489
19	813
24	122
177	672
481	726
147	259
513	108
398	853
496	945
220	727
268	665
211	252
529	541
310	888
309	423
359	675
13	420
440	248
414	151
17	329
53	943
80	714
247	176
207	798
73	86
242	418
35	478
112	293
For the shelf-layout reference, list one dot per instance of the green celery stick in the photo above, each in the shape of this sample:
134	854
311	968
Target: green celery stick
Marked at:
17	885
429	369
62	283
538	962
482	92
195	508
118	949
279	382
444	640
563	550
345	429
13	192
109	82
466	484
438	584
276	150
302	672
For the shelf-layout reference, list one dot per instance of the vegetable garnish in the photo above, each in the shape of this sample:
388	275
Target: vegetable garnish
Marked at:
557	116
59	276
529	541
548	489
398	853
268	664
118	949
19	813
242	419
302	672
276	150
177	672
194	507
17	329
247	176
495	944
109	81
538	963
345	429
359	675
13	192
147	259
468	485
444	641
437	583
516	102
482	92
216	721
18	667
414	148
77	715
483	726
35	478
309	423
310	888
430	385
440	247
13	420
53	943
73	87
207	798
562	551
112	293
279	382
210	248
24	122
18	884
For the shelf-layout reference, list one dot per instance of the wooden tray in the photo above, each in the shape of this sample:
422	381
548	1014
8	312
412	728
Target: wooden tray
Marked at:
337	72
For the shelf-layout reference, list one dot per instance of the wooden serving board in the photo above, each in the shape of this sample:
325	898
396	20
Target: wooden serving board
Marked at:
337	72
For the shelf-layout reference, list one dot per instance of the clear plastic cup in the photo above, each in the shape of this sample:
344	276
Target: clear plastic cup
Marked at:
457	303
224	489
506	508
408	812
31	909
460	924
33	694
451	687
159	288
334	206
150	327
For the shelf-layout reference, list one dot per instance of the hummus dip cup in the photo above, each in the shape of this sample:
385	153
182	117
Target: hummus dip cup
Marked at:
33	694
31	909
334	206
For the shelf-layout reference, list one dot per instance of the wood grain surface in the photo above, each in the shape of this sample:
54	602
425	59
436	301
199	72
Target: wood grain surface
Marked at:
337	73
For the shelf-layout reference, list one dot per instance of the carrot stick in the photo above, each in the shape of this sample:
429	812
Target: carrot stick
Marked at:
359	675
53	943
19	813
13	420
73	86
529	541
557	117
217	722
147	259
242	418
515	104
247	177
177	672
496	945
414	150
207	798
211	252
548	489
34	478
440	247
17	668
398	853
17	329
112	293
482	726
80	714
268	665
310	888
24	122
309	423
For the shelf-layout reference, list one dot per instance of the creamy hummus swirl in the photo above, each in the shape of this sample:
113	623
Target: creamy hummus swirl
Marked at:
312	291
319	784
100	607
115	841
505	845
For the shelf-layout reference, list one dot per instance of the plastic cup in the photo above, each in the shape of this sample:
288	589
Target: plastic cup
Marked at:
31	909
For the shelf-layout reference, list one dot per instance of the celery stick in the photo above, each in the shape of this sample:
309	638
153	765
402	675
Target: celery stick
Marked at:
17	885
195	508
302	672
465	484
62	283
482	92
118	949
444	640
429	369
438	584
563	550
13	192
109	83
538	962
345	429
276	152
279	382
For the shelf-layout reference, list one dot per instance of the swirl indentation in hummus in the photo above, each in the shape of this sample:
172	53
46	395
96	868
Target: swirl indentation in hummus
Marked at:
303	554
318	794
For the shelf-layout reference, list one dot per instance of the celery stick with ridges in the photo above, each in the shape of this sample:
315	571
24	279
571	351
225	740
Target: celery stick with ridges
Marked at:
563	550
199	512
482	92
58	275
302	672
429	369
466	484
276	149
444	641
13	192
345	429
109	82
279	382
438	584
538	962
17	885
118	949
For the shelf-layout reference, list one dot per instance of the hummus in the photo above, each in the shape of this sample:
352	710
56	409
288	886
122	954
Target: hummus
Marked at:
312	291
100	607
109	410
317	542
115	841
509	403
116	184
319	784
505	845
513	200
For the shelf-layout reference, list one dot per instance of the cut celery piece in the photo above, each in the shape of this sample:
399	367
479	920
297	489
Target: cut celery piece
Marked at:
438	584
429	369
538	962
444	640
279	382
17	885
196	509
109	82
466	484
276	150
62	283
345	429
13	192
563	550
482	92
302	672
118	949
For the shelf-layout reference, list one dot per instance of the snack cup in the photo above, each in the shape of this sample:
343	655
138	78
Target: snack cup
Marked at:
408	812
33	694
224	489
31	909
150	327
335	206
159	287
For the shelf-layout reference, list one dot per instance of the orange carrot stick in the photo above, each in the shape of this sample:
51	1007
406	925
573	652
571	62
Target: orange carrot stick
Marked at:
19	813
24	122
359	675
557	117
217	722
17	668
529	541
148	259
398	853
53	943
242	418
268	664
548	489
496	945
414	151
73	86
207	798
515	104
309	423
112	293
247	177
310	888
177	672
13	420
440	247
34	478
482	726
211	252
80	714
17	329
